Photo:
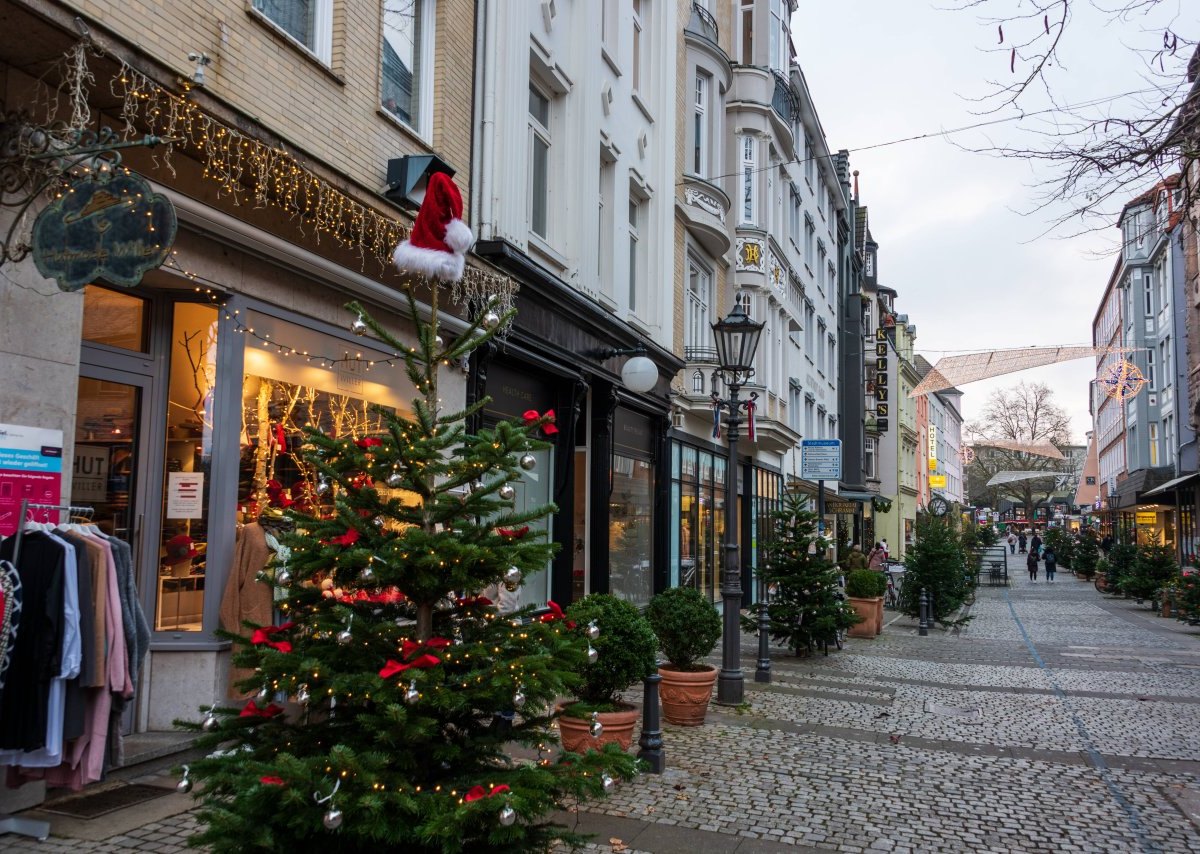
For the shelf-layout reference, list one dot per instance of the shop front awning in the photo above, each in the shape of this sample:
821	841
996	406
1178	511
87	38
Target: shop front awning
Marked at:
1137	484
854	495
1171	484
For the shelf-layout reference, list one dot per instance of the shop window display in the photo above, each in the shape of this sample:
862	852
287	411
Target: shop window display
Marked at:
183	540
631	530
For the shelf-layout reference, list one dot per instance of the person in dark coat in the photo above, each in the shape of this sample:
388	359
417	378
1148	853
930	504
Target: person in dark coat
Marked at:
1021	542
1106	544
1051	560
1035	544
1032	563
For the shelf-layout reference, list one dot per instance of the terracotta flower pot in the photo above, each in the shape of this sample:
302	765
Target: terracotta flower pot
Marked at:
865	608
576	737
685	694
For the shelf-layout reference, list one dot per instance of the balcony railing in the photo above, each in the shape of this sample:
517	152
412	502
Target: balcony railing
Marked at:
784	100
703	23
706	355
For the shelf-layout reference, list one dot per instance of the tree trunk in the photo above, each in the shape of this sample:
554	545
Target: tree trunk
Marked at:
424	621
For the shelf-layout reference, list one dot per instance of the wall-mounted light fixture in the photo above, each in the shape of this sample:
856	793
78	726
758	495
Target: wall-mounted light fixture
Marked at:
639	374
407	178
202	60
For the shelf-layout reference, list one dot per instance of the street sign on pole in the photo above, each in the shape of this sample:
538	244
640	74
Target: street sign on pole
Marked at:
821	459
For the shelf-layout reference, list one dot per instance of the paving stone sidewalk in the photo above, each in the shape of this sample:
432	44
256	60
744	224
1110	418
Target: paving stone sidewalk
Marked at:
1056	720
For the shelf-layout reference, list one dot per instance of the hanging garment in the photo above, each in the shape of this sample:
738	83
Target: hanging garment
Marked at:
10	615
137	627
73	715
245	598
37	654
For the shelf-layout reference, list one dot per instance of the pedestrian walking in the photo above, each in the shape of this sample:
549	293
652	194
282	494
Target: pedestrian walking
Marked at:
1051	560
1032	563
876	558
1012	543
1021	542
1035	544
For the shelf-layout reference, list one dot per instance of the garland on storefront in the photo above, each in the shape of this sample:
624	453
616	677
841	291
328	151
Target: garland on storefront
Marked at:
251	171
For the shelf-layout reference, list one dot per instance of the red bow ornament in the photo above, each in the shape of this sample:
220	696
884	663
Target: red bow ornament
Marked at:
368	442
556	613
264	634
513	533
477	793
251	710
421	662
347	539
531	417
409	647
271	781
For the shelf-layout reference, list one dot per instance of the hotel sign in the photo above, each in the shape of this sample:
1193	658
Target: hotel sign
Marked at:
111	228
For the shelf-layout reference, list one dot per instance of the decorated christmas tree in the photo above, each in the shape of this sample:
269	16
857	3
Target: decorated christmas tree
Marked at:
804	607
937	564
397	709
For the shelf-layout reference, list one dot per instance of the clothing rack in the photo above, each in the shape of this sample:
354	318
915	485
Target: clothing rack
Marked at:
39	830
27	505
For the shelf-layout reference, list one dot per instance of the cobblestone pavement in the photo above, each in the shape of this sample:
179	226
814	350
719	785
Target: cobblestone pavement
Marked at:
1056	720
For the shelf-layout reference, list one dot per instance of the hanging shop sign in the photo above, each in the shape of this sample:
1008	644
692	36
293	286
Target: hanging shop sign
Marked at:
1147	517
109	227
30	470
836	507
937	481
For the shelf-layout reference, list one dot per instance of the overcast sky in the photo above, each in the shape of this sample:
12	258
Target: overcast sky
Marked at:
968	264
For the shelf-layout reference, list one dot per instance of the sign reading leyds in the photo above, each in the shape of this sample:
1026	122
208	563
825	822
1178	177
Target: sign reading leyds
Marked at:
110	227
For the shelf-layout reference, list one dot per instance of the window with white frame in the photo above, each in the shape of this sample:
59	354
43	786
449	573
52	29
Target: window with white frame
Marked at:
869	457
607	212
809	329
1152	434
746	26
637	249
539	161
700	119
1150	375
809	416
1164	360
697	382
608	25
821	423
810	160
830	280
749	179
831	343
795	213
833	434
639	42
795	400
1148	290
309	22
822	191
780	36
810	232
406	86
700	284
820	346
1168	439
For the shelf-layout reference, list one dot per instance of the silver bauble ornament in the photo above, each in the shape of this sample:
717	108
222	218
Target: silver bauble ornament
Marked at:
593	631
592	654
596	728
438	342
608	782
322	486
333	819
411	695
210	722
475	485
359	326
527	462
507	816
507	492
519	697
512	579
367	575
490	320
302	695
378	521
183	786
264	694
444	604
344	637
395	480
283	578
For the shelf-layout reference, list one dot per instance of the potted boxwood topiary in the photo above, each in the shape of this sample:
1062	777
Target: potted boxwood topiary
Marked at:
688	628
864	591
625	652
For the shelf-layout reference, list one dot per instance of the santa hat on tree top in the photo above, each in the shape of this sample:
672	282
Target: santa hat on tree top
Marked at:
439	238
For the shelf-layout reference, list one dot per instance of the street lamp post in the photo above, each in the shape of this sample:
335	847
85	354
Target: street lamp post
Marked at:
736	338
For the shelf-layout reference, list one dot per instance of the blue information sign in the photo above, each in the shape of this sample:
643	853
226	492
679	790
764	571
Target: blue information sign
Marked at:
821	459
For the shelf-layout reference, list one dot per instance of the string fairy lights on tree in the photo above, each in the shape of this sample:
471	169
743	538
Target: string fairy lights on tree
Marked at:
375	722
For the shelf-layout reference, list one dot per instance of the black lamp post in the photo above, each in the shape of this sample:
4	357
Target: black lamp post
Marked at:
736	339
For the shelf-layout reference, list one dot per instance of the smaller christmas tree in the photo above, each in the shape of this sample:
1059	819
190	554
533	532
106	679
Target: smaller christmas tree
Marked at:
804	609
1084	554
937	564
1154	567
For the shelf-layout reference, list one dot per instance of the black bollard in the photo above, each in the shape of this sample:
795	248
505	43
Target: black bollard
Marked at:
651	739
924	611
762	673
